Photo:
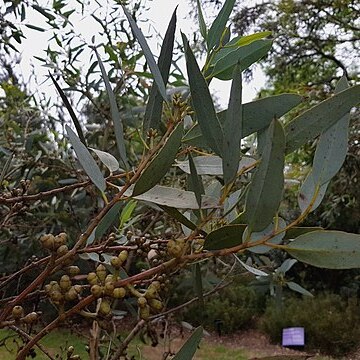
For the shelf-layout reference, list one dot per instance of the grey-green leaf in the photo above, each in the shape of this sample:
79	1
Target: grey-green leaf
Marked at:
327	249
176	214
233	129
115	115
319	118
198	285
172	197
225	237
148	54
188	350
107	159
296	287
202	25
202	102
153	112
219	24
257	115
194	181
161	163
86	160
107	220
265	190
212	165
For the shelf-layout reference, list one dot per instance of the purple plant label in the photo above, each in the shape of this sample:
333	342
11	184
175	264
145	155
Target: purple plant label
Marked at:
294	336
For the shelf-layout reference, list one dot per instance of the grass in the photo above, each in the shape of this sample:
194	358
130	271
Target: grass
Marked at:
58	341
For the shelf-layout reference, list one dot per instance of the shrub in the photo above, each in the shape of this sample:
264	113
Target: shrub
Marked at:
331	323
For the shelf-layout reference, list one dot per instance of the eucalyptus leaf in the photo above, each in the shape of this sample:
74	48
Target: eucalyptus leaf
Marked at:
327	249
172	197
266	187
127	212
251	269
176	214
194	181
153	112
161	163
86	160
296	231
115	115
148	54
257	115
296	287
212	165
198	284
219	24
202	25
286	265
107	159
225	237
188	350
108	220
233	129
319	118
202	102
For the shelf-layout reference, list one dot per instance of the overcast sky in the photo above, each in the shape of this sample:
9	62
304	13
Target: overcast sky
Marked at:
157	17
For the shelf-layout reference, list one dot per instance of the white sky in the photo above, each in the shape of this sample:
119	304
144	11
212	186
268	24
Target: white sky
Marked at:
157	16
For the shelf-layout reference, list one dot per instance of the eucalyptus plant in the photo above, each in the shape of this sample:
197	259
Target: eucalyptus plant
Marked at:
229	205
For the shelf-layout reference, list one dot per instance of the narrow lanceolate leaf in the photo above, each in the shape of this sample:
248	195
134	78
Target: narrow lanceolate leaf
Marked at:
219	24
296	287
177	215
115	115
319	118
233	129
202	102
194	181
107	159
148	54
327	249
171	197
202	25
265	190
153	112
248	39
212	165
70	110
257	115
251	269
127	212
329	156
161	163
107	221
223	64
86	160
225	237
188	350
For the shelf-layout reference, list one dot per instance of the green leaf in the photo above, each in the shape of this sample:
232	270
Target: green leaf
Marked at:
202	25
198	285
188	350
115	115
257	115
107	159
248	39
161	163
225	237
233	129
296	287
329	156
223	65
319	118
127	212
219	24
33	27
202	103
70	110
327	249
107	220
271	229
265	190
148	54
194	181
43	12
296	231
176	214
180	199
212	165
86	160
152	117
